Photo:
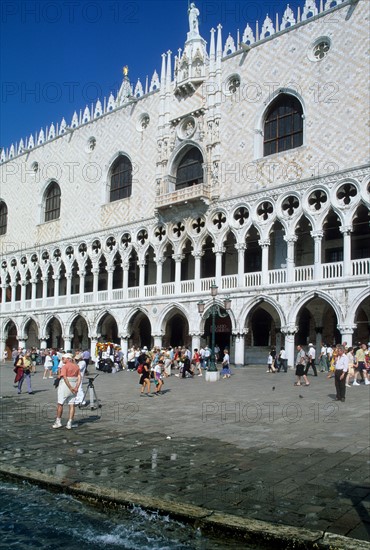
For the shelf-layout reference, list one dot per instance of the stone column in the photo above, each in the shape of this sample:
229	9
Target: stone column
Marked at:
33	294
67	342
45	281
218	274
124	348
93	342
56	289
290	265
23	295
159	276
195	341
347	265
239	347
141	265
12	298
290	333
197	257
3	294
178	258
157	340
241	248
2	348
317	236
265	244
346	332
42	343
82	286
22	343
110	284
69	286
95	272
125	267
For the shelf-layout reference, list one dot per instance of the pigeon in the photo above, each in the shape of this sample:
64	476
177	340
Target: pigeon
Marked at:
273	388
301	396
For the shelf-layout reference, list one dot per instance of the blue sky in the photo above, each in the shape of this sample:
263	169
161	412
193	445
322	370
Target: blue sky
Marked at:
59	55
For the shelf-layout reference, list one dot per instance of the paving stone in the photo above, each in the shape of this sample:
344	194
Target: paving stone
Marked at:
270	469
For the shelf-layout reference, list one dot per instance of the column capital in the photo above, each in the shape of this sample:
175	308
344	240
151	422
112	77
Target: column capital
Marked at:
346	329
264	243
197	254
218	250
178	257
240	247
346	229
317	235
290	239
289	330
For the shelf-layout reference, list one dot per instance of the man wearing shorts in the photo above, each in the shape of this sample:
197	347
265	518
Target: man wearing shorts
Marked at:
69	382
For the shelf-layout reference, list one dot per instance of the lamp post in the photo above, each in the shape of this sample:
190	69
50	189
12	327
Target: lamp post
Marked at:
214	311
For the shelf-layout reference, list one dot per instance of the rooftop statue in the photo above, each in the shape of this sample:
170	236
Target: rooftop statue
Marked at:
193	13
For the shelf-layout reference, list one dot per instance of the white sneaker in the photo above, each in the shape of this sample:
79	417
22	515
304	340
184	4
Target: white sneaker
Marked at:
355	383
69	425
57	423
348	385
366	382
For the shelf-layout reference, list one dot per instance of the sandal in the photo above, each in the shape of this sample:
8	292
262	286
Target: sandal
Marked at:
307	384
297	383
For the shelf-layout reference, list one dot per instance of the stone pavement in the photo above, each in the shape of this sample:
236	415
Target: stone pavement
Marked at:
253	456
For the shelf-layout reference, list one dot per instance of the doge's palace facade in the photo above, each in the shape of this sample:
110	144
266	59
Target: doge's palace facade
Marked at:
244	164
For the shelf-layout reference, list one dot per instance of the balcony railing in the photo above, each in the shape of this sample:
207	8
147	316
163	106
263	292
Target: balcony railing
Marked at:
252	281
168	197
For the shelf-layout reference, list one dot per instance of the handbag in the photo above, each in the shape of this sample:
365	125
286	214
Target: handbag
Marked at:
56	382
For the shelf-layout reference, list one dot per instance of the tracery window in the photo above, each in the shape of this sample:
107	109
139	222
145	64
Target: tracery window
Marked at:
3	218
52	202
190	169
283	127
121	179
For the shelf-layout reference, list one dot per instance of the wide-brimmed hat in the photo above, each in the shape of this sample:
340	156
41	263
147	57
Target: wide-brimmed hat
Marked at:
67	356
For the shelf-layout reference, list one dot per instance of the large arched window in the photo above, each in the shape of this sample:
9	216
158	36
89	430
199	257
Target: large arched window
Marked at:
190	169
3	218
283	127
121	179
52	202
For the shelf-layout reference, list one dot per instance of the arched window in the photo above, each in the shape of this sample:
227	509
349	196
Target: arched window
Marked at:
3	218
190	169
52	202
121	179
283	128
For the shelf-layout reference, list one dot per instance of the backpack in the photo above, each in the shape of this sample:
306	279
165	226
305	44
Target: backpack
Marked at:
140	369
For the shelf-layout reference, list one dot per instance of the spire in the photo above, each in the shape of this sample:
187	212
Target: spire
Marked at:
163	73
169	71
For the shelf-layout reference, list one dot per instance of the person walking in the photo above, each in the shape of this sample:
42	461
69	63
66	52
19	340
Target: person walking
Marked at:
196	360
270	363
158	377
340	374
300	369
144	371
23	372
283	361
360	365
70	380
226	372
311	354
48	365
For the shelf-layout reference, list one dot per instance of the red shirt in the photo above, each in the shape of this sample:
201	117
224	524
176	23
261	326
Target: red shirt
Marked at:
69	370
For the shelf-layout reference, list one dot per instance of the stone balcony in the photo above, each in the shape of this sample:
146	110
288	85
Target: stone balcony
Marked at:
195	195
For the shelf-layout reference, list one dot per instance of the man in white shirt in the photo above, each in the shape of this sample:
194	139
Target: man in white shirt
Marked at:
311	359
341	371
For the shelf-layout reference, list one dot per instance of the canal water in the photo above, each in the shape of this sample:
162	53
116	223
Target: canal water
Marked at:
31	517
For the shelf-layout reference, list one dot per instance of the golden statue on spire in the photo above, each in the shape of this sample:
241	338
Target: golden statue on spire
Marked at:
125	70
